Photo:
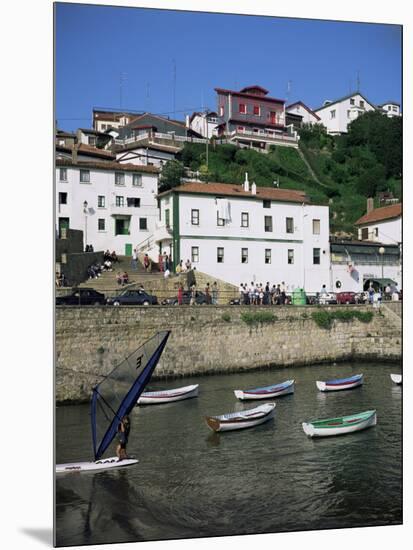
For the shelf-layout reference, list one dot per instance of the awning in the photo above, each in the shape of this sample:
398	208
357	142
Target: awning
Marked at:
162	234
381	282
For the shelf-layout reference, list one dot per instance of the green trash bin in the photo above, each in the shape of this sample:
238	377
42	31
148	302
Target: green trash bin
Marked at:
299	297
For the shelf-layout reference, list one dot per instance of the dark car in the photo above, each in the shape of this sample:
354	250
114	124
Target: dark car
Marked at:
82	296
200	299
346	298
133	297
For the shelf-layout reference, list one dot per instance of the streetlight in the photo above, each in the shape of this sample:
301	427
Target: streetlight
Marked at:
85	204
381	252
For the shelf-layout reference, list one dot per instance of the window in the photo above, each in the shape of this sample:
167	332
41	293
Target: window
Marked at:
268	255
220	221
101	224
267	224
242	108
195	217
84	176
289	225
120	201
119	178
194	254
244	255
348	113
167	217
316	227
352	101
143	224
266	204
316	256
137	180
362	104
63	174
394	108
241	128
290	258
376	231
92	140
220	255
133	201
221	110
101	201
257	110
62	198
333	113
365	233
245	219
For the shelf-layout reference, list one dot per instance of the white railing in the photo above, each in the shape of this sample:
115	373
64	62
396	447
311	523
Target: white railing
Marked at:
159	135
264	135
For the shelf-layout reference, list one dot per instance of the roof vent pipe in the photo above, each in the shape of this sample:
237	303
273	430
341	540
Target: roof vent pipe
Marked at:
253	188
246	183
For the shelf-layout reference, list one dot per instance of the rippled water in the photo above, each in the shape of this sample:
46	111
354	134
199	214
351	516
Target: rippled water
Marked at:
191	482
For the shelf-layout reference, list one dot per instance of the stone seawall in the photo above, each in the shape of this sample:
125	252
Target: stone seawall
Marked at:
90	341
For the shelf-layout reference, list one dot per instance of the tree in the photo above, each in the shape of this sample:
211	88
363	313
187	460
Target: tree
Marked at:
171	176
371	181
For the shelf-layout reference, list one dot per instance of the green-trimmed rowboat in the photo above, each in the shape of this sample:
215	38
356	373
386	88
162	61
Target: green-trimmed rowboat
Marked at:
340	425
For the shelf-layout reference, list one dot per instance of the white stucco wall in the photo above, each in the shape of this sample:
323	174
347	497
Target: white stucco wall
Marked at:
102	182
308	118
389	231
143	156
201	125
354	281
344	113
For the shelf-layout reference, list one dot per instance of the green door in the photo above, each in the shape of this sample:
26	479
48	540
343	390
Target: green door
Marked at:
128	250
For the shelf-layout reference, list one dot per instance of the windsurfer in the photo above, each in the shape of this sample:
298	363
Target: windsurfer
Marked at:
123	436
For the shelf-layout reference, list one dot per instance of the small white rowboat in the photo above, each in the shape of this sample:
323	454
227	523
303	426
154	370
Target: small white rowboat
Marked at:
167	396
340	383
341	425
267	392
243	419
397	378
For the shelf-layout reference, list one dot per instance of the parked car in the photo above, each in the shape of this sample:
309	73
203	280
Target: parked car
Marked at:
326	298
200	299
362	297
346	297
131	297
80	297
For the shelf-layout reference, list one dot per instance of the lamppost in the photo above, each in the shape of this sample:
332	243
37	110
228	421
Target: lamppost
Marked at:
381	252
85	211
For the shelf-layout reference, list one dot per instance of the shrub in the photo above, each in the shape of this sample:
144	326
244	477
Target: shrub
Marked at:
226	317
258	317
325	318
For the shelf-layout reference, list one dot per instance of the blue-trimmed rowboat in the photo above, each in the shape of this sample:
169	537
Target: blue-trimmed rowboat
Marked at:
340	425
397	378
267	392
243	419
340	383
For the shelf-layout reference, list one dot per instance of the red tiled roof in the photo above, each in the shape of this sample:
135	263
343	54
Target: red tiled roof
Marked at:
118	167
250	96
88	150
237	190
381	214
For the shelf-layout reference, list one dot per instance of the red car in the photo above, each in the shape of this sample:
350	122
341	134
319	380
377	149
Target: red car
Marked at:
346	298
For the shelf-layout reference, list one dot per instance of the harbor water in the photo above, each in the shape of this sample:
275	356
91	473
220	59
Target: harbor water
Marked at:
191	482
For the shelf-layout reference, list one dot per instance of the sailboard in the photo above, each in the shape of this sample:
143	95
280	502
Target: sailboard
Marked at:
113	398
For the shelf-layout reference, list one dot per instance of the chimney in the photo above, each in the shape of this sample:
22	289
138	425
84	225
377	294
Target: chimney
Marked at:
370	205
246	183
253	188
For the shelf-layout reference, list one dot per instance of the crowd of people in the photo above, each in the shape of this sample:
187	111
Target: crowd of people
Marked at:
258	294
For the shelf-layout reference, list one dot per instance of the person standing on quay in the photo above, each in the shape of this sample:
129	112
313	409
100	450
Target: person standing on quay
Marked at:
134	263
215	293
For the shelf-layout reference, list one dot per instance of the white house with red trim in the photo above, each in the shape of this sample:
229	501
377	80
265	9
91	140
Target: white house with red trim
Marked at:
383	225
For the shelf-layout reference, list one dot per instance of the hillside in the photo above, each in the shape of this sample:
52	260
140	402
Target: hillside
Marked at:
344	170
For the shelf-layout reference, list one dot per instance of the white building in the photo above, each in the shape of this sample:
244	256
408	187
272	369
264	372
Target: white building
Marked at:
337	115
383	225
243	233
391	109
146	153
299	108
354	264
113	204
204	124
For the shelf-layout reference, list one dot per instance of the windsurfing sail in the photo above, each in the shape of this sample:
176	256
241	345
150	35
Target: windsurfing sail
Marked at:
118	393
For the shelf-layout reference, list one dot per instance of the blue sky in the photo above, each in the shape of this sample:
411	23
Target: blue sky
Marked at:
98	46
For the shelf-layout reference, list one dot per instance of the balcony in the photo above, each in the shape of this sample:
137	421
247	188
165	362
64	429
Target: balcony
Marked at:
162	233
272	138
